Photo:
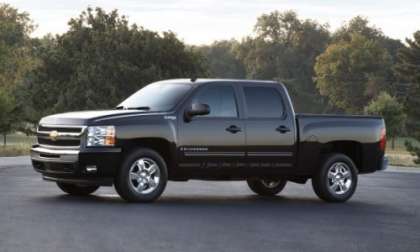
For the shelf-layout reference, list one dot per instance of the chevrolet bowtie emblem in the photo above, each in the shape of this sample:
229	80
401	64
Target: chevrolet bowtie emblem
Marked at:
53	135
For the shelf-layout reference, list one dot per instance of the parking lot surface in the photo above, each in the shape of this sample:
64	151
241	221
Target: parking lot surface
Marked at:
383	215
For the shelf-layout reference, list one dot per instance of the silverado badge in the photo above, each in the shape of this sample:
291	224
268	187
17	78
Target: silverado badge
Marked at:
53	135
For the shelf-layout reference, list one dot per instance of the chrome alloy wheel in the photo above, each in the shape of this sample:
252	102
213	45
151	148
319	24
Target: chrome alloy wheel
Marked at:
339	178
144	175
270	183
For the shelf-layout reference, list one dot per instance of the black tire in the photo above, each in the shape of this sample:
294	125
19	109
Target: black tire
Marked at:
128	188
79	190
323	186
262	186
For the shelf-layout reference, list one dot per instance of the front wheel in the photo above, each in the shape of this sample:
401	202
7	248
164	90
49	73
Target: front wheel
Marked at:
79	190
143	176
266	187
336	181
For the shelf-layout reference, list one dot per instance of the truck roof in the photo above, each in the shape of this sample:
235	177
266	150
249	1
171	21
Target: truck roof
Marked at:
204	80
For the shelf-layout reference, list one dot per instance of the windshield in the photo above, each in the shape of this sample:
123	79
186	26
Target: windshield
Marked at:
157	96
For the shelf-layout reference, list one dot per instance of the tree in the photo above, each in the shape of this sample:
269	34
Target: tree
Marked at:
221	59
101	60
285	48
15	63
351	73
360	25
7	106
408	69
392	111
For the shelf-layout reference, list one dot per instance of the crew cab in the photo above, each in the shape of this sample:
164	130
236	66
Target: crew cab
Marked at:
207	129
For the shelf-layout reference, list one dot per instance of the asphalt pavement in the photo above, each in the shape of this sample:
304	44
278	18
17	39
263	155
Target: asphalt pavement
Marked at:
383	215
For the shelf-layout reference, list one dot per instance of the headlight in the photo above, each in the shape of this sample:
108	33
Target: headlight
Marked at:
101	136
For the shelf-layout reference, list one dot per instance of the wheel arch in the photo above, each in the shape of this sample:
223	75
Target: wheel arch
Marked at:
352	149
161	145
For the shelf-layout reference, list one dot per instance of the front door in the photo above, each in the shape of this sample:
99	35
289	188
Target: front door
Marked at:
214	142
270	136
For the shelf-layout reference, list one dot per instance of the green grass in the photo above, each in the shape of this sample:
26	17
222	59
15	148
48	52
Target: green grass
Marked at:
19	139
17	144
399	155
400	144
14	150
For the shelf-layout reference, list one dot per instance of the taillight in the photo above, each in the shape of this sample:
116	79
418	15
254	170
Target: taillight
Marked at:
382	140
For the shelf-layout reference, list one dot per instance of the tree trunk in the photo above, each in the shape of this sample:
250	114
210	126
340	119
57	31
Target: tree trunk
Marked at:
4	139
393	143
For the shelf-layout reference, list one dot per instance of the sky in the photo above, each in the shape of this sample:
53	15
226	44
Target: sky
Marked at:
203	21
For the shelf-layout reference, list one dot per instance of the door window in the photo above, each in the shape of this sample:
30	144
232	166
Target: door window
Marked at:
221	100
263	102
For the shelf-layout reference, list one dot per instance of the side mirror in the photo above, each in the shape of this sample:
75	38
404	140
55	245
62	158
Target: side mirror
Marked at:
196	109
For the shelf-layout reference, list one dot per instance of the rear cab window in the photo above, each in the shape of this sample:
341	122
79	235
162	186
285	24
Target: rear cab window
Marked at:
263	102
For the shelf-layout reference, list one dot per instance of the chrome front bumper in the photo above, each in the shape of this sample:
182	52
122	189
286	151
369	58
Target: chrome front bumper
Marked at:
51	155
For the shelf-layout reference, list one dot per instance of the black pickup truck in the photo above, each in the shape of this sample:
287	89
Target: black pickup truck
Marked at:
210	130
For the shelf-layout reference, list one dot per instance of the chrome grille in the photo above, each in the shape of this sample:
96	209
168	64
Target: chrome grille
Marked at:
60	136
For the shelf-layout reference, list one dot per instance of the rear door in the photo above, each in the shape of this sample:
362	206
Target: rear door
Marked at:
270	136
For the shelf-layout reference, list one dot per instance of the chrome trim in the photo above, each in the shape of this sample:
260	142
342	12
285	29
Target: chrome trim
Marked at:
339	178
80	181
62	126
59	137
56	147
214	154
63	134
144	176
238	154
270	154
62	156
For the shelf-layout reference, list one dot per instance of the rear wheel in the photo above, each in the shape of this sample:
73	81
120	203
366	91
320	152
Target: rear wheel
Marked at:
79	190
143	176
266	187
336	181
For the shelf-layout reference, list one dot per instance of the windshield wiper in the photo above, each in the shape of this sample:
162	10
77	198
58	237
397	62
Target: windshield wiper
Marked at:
134	108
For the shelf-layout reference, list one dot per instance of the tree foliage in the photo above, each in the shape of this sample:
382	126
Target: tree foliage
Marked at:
6	108
391	110
360	25
221	59
285	48
408	69
101	60
350	73
15	28
16	62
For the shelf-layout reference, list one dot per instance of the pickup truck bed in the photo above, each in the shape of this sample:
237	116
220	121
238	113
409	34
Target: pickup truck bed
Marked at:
358	136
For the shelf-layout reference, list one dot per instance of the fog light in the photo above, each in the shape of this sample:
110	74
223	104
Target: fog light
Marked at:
91	169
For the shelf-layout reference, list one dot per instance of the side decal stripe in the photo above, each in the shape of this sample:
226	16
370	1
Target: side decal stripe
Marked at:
239	154
270	154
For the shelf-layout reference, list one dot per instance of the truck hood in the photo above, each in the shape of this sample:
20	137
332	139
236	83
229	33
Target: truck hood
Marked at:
84	117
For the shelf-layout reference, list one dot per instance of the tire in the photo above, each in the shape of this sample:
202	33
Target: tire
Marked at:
336	180
143	176
79	190
265	187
